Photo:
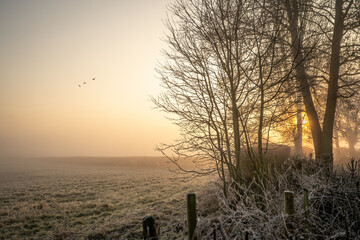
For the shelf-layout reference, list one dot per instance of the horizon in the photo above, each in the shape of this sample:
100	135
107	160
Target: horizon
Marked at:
44	157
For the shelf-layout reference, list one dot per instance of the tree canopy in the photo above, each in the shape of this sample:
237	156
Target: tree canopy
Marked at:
236	71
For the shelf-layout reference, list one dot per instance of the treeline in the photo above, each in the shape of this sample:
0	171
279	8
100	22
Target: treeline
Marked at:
242	75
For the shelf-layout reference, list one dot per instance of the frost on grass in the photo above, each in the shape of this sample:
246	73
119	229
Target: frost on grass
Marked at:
258	211
89	202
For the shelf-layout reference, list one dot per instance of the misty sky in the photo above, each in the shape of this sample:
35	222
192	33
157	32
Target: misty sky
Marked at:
48	48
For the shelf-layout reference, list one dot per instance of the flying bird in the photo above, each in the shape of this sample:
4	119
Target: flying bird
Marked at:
85	82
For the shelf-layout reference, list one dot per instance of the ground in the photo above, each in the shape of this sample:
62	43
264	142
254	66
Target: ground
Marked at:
51	200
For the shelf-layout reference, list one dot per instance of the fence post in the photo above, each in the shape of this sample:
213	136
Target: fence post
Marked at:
289	207
246	235
191	216
149	228
214	232
306	202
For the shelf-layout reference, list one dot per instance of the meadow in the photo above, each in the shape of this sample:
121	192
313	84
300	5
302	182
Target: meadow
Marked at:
91	198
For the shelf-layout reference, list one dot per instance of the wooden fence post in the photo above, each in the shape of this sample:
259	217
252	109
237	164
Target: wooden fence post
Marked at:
214	232
306	202
191	216
246	235
149	228
289	207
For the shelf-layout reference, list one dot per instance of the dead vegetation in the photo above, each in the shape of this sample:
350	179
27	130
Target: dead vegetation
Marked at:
258	212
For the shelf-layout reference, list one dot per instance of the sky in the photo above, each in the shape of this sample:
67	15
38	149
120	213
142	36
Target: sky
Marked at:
48	48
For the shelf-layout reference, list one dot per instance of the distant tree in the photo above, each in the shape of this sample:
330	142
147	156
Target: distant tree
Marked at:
291	126
348	123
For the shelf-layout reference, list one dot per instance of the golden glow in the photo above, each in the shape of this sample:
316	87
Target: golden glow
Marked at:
49	47
286	130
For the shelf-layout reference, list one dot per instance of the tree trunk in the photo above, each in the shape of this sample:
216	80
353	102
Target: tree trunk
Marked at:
322	138
328	126
235	115
301	76
351	136
261	122
298	136
337	145
351	144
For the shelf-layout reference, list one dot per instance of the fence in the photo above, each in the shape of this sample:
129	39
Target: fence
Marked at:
151	229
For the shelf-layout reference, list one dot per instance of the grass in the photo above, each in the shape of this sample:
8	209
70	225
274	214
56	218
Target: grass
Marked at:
55	201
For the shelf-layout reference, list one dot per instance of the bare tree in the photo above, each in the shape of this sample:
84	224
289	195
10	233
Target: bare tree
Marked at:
348	122
203	84
331	28
224	83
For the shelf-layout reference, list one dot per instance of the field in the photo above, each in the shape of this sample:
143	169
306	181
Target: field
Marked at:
90	198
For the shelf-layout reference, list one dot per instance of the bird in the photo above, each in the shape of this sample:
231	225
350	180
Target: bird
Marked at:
79	85
93	79
84	82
